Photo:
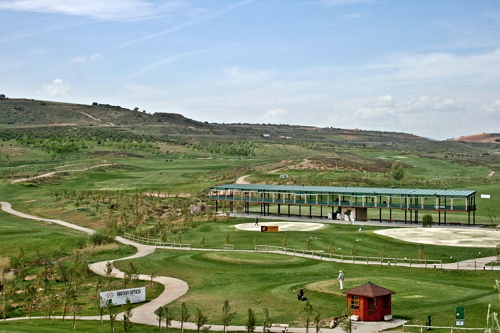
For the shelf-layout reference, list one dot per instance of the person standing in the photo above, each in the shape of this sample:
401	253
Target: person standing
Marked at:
341	279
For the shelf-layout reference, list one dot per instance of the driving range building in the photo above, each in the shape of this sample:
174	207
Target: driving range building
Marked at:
345	202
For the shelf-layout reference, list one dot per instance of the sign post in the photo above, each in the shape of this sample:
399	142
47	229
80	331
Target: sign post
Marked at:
119	297
269	228
460	316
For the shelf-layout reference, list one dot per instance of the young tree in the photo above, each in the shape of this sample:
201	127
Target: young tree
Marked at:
30	293
317	320
397	171
69	294
185	315
346	323
112	314
152	276
127	314
159	313
308	310
250	321
108	273
267	320
167	316
227	315
200	320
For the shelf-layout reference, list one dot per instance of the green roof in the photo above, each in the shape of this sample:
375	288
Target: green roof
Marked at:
346	190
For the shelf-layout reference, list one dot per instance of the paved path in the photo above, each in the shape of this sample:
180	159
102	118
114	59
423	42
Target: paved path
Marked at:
144	314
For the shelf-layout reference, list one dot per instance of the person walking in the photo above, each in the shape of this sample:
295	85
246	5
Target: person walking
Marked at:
256	221
341	279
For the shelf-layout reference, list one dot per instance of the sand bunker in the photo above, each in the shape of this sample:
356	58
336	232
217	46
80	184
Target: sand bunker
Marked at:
283	226
446	236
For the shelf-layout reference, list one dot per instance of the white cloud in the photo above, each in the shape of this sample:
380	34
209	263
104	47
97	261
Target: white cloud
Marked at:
96	57
79	60
104	10
492	108
352	16
273	116
83	59
57	87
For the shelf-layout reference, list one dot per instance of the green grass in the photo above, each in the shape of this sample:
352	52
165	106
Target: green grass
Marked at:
258	280
32	236
342	238
56	326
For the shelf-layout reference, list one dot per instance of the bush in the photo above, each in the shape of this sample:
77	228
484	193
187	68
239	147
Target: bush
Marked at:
427	220
100	238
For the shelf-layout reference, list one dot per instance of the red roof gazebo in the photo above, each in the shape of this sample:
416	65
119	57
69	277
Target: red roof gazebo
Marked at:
369	301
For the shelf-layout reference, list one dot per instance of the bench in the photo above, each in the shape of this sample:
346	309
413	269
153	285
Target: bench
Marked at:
281	328
391	221
454	223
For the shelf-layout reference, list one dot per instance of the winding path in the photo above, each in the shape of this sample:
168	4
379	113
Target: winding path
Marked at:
54	172
144	314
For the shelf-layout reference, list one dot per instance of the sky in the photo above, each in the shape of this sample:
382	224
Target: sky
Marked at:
426	67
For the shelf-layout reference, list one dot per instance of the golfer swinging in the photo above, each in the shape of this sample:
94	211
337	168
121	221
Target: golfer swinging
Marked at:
341	280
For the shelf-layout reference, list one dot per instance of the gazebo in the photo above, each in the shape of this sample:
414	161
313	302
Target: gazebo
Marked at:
370	302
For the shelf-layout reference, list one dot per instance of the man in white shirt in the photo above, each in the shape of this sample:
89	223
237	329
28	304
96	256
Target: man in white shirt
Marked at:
341	280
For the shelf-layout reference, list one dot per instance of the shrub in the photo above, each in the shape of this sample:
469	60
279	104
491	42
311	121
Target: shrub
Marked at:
427	220
100	238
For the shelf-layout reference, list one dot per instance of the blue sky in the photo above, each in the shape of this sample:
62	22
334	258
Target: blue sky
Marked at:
427	67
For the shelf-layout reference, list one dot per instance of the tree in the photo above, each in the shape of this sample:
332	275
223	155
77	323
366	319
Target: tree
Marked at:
397	171
346	323
127	314
69	294
250	321
227	315
267	320
108	273
185	315
30	292
284	241
167	317
317	320
308	310
159	314
112	314
2	96
200	320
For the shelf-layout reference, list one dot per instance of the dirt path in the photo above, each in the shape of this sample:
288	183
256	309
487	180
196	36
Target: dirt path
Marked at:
54	172
242	180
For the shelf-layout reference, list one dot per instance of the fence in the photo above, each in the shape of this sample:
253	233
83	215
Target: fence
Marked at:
157	242
315	254
451	328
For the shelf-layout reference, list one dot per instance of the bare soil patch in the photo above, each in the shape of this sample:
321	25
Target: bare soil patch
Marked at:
466	237
484	137
283	226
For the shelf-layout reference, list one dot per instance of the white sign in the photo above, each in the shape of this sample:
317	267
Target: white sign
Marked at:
119	297
485	196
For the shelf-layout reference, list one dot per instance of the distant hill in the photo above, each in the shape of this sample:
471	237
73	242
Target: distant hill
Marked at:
29	113
485	138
